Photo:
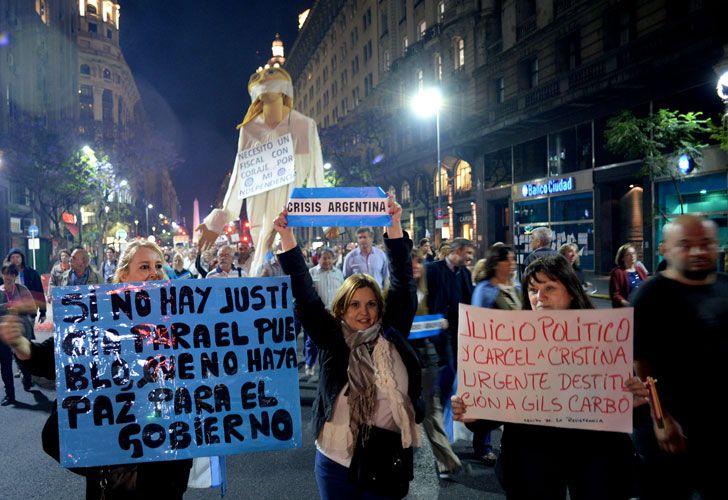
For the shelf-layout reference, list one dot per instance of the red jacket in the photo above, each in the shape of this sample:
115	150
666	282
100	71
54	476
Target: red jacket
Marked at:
619	284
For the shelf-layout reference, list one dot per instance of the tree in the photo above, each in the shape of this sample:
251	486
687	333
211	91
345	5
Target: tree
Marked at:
356	147
50	164
659	139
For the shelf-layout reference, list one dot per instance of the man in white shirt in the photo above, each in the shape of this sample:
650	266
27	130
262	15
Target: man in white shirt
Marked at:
326	280
225	267
366	258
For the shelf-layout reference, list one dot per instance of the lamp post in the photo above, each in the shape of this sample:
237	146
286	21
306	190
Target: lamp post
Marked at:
426	103
146	209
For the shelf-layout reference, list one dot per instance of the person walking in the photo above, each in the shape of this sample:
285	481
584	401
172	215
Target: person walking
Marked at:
627	276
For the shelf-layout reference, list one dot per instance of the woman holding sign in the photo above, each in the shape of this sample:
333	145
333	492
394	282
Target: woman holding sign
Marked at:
540	462
142	261
368	401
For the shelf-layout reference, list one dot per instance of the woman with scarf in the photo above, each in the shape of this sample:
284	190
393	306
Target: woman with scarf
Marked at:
370	382
142	261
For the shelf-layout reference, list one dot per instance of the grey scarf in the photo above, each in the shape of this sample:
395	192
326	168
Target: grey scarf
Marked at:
362	390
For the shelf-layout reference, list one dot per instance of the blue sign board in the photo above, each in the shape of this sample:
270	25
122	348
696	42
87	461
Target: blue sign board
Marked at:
350	206
33	231
172	370
551	186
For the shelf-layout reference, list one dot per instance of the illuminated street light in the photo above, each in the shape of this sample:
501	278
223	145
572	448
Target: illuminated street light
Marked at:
148	207
426	103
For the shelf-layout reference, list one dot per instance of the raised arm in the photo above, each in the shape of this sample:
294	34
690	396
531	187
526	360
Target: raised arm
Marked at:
310	309
401	302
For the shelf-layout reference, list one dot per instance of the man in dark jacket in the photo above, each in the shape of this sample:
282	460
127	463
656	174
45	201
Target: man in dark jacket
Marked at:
449	283
30	278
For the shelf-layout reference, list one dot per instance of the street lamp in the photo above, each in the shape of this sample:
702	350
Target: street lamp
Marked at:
722	90
149	206
426	103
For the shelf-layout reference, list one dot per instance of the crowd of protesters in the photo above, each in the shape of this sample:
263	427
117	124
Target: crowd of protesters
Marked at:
358	303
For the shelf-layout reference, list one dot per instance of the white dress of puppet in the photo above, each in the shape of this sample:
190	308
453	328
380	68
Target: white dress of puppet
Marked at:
263	208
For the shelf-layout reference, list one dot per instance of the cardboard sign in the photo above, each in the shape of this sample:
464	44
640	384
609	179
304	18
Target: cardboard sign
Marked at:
553	368
348	207
164	371
265	166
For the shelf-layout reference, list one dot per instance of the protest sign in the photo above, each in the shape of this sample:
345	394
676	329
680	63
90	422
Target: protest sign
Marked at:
265	166
176	369
348	207
427	326
555	368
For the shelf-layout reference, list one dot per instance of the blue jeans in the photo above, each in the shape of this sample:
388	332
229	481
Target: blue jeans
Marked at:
310	351
333	483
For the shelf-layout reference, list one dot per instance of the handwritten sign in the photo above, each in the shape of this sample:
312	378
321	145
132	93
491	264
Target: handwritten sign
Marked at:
164	370
265	166
348	207
553	368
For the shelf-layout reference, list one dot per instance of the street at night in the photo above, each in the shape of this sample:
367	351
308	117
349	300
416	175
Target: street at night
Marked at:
363	249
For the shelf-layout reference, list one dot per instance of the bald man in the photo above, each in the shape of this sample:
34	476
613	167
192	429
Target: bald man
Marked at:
681	339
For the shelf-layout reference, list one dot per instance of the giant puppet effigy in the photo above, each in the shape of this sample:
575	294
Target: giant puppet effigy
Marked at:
270	118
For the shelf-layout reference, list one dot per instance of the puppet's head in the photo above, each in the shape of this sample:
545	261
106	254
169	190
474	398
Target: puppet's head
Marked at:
266	81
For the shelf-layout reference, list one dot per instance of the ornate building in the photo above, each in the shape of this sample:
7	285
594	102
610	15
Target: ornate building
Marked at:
528	87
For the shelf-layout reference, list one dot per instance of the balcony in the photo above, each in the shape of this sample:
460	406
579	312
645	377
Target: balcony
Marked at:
587	74
506	107
561	6
526	27
542	93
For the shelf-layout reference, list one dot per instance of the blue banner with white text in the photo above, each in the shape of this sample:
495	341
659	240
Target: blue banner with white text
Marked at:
165	371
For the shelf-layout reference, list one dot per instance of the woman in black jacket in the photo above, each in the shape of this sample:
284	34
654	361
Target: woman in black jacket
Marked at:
142	261
370	380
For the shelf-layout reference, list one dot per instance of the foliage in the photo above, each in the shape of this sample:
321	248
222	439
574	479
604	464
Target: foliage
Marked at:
49	163
659	139
355	147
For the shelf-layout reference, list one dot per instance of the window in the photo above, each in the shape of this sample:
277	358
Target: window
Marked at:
438	66
86	103
529	72
107	106
383	24
333	63
423	29
355	96
355	65
463	177
440	185
440	11
387	61
107	74
402	11
459	52
326	74
499	90
405	192
367	51
93	28
326	98
368	84
120	109
85	69
318	84
405	44
392	190
91	9
367	19
529	160
318	107
568	52
420	79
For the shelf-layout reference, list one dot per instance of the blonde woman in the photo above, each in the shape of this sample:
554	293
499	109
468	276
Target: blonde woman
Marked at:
368	401
142	261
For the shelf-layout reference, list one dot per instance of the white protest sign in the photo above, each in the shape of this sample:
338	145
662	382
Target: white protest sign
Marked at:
553	368
265	166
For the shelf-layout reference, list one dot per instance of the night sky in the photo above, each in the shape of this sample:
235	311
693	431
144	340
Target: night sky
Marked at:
191	61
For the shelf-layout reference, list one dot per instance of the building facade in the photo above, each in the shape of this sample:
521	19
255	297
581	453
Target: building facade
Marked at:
62	66
528	88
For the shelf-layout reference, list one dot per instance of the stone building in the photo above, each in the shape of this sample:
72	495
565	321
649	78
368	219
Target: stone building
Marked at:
528	87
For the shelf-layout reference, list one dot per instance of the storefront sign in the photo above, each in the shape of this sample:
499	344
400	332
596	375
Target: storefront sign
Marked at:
548	187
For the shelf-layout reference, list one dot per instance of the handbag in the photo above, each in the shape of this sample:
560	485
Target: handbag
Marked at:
380	465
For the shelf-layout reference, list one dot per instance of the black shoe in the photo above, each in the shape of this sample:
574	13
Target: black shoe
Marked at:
27	385
7	401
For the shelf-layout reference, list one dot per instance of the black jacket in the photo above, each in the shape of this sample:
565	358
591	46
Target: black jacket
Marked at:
325	330
31	280
162	479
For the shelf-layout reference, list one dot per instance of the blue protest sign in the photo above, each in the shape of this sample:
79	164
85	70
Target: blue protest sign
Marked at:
163	371
427	326
349	207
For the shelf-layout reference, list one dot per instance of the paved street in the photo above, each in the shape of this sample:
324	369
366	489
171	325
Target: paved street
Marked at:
29	473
